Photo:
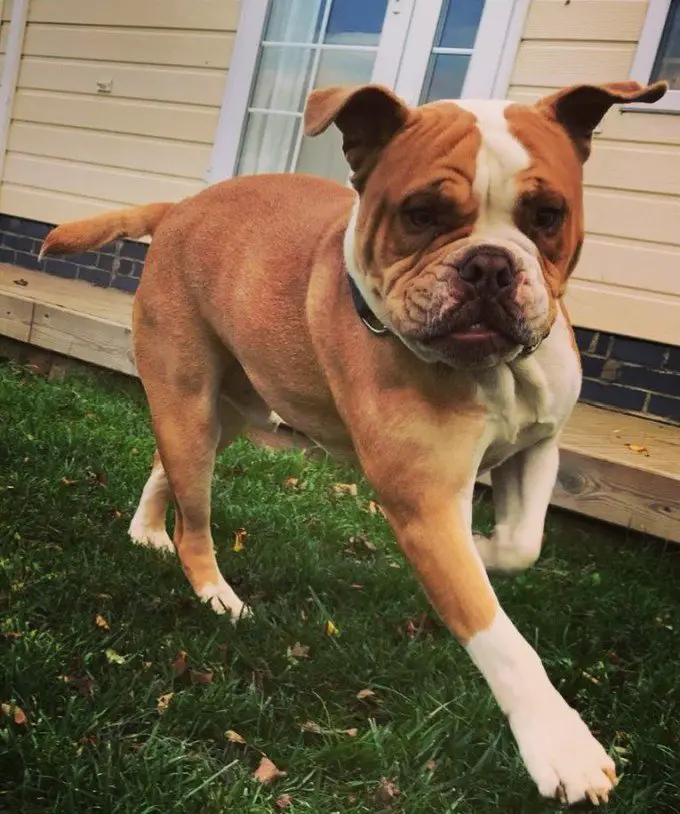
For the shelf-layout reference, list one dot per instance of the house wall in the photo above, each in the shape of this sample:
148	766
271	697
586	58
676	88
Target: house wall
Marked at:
628	280
74	151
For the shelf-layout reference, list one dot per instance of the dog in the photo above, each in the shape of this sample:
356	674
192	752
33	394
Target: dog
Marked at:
414	323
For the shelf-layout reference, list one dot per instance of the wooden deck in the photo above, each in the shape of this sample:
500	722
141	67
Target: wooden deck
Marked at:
614	467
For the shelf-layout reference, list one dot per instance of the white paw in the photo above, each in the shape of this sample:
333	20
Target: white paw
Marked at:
561	755
144	535
223	599
504	558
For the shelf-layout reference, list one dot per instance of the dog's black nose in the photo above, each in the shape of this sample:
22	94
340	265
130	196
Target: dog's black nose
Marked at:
488	268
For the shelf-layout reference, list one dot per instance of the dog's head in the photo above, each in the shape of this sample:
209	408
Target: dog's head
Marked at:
470	214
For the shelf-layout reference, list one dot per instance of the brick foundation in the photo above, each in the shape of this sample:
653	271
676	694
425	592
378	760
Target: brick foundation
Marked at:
628	374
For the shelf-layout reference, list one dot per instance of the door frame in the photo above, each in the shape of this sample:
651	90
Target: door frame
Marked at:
401	62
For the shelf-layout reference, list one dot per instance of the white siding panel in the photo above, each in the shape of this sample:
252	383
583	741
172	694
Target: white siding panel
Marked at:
211	15
556	64
633	215
50	206
157	47
604	20
640	167
113	150
164	120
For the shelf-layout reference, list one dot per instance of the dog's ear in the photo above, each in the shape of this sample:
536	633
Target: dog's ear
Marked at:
368	116
580	108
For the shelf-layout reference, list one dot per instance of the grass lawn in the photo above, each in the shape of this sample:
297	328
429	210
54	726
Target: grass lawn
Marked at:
92	631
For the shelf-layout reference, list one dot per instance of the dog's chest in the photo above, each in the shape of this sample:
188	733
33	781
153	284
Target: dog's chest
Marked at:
531	399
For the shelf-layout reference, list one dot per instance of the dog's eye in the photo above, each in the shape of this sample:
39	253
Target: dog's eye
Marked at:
422	217
548	218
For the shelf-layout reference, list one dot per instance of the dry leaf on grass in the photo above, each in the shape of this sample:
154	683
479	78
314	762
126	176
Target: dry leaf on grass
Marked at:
68	481
639	449
267	771
164	701
345	489
357	586
311	726
179	665
101	622
431	765
291	483
10	635
83	685
387	792
198	677
376	508
315	729
365	694
239	540
331	629
15	713
284	801
234	737
112	657
298	651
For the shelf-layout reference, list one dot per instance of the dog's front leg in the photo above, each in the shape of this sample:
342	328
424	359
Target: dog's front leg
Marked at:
522	487
434	531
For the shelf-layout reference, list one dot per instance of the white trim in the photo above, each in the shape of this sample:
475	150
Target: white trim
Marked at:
490	42
10	72
393	36
416	56
319	46
645	57
510	49
234	107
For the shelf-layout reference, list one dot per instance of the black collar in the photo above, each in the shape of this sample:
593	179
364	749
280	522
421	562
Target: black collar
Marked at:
376	327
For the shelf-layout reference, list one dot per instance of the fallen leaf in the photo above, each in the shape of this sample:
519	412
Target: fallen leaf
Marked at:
365	694
21	282
116	514
284	801
345	489
352	732
291	483
201	678
360	543
102	596
267	771
638	448
239	540
112	657
68	481
99	478
298	651
311	726
164	701
431	765
234	737
101	622
387	792
146	665
83	685
357	586
376	508
10	635
179	665
411	628
15	713
331	629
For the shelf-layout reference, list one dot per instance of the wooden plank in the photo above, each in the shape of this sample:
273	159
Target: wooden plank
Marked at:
211	15
557	64
639	167
200	49
16	315
165	156
627	311
203	86
633	215
651	267
181	121
604	20
91	180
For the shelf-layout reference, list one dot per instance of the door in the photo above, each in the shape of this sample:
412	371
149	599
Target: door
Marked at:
423	49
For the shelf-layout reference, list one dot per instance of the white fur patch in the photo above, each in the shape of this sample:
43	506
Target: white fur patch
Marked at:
148	524
559	752
223	599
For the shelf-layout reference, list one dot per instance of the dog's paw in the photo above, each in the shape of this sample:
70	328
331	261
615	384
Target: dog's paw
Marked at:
157	538
504	558
222	599
561	755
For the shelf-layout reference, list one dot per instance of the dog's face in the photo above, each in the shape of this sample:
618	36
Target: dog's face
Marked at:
470	217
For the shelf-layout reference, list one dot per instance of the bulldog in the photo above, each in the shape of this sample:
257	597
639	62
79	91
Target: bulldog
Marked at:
414	323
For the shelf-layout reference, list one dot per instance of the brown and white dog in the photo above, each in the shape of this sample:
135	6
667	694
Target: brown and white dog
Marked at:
464	227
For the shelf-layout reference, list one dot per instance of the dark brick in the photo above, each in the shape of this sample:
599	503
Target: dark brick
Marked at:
592	366
60	268
612	395
639	352
95	276
128	284
33	228
105	262
139	268
5	221
20	243
654	380
674	359
83	259
15	225
584	338
665	407
125	267
602	346
109	248
134	250
7	255
28	261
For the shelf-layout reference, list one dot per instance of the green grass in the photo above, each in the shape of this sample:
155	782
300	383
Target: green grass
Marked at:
601	606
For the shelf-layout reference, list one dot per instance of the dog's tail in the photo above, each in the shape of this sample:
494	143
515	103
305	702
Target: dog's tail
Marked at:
81	235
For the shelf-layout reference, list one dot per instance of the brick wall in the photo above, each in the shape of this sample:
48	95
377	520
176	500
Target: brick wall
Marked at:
627	374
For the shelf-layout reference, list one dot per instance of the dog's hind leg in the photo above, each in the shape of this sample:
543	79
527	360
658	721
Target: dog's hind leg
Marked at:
148	524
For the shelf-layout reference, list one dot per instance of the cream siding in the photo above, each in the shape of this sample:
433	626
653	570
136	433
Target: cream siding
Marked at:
74	151
628	280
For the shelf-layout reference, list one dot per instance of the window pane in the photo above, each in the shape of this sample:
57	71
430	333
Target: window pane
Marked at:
268	143
282	78
445	77
294	20
667	65
344	68
460	21
356	22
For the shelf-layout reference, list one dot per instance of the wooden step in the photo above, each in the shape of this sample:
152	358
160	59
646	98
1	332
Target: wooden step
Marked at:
614	467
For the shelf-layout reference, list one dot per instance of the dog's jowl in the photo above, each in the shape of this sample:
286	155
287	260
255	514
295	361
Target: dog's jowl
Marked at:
415	323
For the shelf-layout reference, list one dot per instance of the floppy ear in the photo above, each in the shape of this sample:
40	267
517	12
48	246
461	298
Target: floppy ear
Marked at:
368	116
579	109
